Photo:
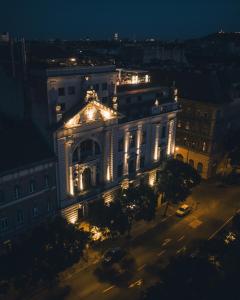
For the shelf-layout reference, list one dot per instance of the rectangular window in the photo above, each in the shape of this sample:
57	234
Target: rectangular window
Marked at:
128	100
132	139
142	162
120	144
20	217
163	132
16	192
120	170
104	86
71	90
35	212
46	181
144	137
96	87
2	196
32	186
3	224
61	91
49	205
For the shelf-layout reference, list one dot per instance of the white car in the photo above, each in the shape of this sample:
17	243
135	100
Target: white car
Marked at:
183	210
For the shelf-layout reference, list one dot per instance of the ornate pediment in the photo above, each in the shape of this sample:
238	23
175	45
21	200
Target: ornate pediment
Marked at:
93	111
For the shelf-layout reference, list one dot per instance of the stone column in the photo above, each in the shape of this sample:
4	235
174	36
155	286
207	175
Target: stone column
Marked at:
138	148
126	155
156	143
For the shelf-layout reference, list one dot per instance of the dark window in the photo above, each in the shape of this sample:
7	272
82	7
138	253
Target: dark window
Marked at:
120	170
104	99
3	224
20	217
50	205
32	186
163	132
61	91
120	144
2	196
200	168
16	192
46	181
143	137
96	87
104	86
71	90
132	139
128	100
35	212
132	166
191	163
142	161
179	157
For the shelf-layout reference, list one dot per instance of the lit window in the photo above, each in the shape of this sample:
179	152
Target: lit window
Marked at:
3	224
204	148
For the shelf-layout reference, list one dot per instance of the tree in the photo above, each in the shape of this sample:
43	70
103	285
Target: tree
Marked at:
109	216
176	181
51	248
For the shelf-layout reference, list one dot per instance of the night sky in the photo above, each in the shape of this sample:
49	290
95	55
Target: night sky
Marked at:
75	19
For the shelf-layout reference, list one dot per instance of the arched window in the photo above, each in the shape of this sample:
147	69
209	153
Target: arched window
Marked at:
200	167
191	163
179	157
86	150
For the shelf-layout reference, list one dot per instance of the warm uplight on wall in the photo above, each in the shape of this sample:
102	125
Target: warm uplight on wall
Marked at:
72	59
106	114
81	182
90	112
147	78
152	178
108	174
176	148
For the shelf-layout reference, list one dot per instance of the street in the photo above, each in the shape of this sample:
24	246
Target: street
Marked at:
211	208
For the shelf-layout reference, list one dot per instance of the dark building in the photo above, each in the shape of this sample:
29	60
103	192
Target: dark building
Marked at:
28	193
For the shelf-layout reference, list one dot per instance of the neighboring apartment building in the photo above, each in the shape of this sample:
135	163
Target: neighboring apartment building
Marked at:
27	180
208	113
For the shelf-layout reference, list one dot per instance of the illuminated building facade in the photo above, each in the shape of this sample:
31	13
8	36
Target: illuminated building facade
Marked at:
100	148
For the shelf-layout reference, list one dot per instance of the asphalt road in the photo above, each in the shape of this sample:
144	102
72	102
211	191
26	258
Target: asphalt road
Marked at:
212	207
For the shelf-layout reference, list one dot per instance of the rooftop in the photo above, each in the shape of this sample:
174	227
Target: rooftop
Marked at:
22	146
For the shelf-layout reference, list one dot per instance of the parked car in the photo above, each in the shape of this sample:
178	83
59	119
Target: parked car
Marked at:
183	210
113	255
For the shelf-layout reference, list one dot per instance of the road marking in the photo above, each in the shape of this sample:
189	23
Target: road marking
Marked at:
161	253
166	241
181	238
194	224
108	289
138	283
180	250
221	227
142	267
